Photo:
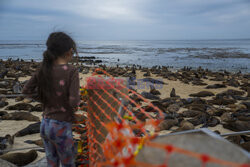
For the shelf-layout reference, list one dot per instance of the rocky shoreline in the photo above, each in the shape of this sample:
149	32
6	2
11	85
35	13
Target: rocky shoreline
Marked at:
189	98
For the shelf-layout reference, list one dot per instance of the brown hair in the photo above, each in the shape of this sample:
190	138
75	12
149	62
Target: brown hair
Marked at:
57	44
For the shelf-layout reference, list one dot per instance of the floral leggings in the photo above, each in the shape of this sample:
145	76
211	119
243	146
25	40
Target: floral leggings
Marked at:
58	142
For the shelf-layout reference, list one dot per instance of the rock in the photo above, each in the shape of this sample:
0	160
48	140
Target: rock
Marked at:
202	94
30	129
20	116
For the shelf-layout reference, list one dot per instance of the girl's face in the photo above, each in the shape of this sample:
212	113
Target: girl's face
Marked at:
69	55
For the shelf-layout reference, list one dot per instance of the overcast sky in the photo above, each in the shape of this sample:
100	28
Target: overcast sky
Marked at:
125	19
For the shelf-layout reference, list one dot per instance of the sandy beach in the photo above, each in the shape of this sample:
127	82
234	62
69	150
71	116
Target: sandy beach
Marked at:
183	90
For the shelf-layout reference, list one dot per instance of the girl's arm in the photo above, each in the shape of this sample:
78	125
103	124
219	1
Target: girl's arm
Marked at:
74	90
30	88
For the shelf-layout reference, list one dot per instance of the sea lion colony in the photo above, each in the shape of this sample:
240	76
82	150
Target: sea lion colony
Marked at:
209	107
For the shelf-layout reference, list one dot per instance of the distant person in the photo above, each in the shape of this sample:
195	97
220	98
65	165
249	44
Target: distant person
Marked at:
57	85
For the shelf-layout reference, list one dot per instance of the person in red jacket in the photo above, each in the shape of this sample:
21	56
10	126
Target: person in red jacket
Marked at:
56	84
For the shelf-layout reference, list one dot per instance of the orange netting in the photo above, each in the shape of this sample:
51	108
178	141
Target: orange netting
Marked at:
116	132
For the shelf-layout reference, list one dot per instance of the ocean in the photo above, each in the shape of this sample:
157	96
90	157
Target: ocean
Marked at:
230	55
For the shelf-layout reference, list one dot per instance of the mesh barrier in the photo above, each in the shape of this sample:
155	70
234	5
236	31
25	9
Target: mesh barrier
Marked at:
116	127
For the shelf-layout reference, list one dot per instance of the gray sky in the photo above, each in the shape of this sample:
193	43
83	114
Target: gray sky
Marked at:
125	19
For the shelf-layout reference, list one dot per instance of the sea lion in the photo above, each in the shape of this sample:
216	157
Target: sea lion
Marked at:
216	86
227	117
230	92
17	88
198	107
247	104
20	116
149	96
30	129
37	108
221	101
202	94
190	113
5	141
147	74
154	91
232	82
3	113
4	84
211	122
20	159
166	124
199	119
154	81
38	142
172	93
139	115
237	125
199	83
173	108
184	125
246	146
20	106
3	103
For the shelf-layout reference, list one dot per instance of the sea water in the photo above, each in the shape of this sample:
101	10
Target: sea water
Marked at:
230	55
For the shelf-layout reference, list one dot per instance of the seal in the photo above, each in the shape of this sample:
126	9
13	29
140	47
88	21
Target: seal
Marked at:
6	141
202	94
20	159
166	124
20	116
31	129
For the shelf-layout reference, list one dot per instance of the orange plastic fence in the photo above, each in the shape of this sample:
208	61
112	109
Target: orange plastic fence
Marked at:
115	139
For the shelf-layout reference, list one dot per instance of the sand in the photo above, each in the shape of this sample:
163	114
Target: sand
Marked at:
183	90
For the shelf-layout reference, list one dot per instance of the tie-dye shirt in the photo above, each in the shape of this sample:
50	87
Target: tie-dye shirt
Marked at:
66	98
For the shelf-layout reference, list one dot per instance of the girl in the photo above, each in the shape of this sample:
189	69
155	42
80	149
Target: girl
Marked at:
56	84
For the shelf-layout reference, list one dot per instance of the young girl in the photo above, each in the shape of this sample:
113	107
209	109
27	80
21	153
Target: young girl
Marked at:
57	85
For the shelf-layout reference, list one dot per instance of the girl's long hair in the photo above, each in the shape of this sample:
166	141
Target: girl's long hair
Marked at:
57	44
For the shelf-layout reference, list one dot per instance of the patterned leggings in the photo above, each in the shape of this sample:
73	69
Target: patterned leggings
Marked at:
58	142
